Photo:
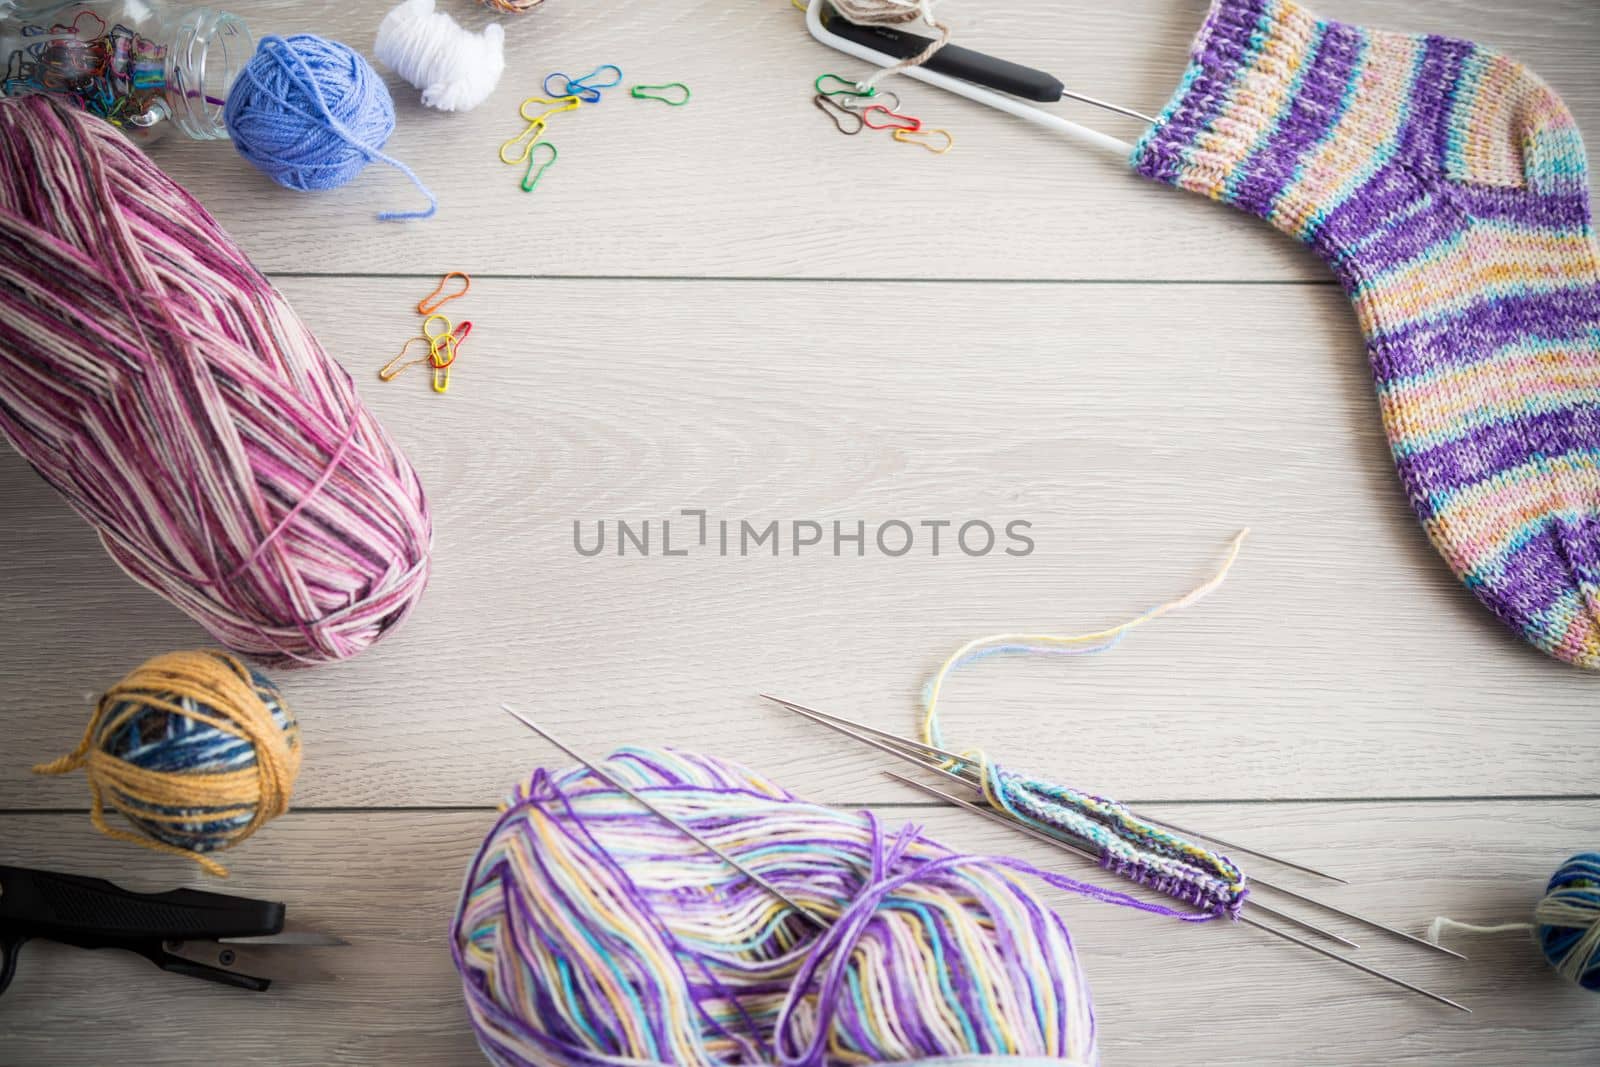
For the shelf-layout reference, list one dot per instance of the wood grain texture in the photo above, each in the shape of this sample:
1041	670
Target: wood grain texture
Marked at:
916	361
388	883
750	181
1136	427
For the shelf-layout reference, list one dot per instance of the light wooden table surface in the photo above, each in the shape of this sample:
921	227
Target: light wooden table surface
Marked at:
730	307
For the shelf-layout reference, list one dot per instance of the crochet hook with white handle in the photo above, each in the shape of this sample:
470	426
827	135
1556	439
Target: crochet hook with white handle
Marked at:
990	72
987	97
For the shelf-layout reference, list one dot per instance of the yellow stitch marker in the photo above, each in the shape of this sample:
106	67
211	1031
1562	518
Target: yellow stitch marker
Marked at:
563	103
921	137
441	365
429	321
534	131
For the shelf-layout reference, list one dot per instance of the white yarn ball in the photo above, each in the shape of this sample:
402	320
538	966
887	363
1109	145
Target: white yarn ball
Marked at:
455	68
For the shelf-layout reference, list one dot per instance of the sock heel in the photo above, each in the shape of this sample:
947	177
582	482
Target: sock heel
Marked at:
1508	128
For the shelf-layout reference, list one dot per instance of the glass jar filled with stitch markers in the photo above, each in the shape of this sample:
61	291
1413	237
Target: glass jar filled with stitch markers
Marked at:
142	65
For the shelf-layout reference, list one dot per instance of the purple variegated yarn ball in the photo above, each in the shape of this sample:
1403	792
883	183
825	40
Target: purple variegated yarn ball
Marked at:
156	380
591	931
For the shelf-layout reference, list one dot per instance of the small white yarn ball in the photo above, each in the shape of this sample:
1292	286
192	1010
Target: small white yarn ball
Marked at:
455	68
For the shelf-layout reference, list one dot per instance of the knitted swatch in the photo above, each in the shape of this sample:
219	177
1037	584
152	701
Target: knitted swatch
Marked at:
1446	185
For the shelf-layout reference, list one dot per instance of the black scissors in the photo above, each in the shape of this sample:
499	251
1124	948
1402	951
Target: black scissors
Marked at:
186	931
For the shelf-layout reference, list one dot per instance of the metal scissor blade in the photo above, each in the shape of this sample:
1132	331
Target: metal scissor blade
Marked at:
287	938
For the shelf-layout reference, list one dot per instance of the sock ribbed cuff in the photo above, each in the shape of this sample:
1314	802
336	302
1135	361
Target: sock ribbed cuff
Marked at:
1244	67
1279	108
1281	113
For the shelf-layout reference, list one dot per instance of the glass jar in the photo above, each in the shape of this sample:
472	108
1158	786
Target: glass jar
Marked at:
142	65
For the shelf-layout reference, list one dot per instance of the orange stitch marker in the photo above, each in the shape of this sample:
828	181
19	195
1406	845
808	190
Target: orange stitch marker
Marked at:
934	139
428	304
394	368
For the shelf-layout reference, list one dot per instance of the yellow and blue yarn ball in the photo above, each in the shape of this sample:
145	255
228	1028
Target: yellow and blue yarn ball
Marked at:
195	749
1568	920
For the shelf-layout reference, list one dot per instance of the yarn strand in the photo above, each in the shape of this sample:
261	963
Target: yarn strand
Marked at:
1092	641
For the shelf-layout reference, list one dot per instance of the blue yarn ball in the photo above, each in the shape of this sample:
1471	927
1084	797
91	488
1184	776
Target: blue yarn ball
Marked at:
1572	945
309	112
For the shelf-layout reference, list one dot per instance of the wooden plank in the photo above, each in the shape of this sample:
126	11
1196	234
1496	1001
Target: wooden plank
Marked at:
750	181
1137	427
388	882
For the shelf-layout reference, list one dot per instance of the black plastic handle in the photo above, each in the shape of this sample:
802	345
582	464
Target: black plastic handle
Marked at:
94	913
1001	75
10	950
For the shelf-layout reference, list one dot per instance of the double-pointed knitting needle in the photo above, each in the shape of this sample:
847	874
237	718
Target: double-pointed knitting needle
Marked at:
1293	920
683	829
1167	823
1356	917
994	816
936	758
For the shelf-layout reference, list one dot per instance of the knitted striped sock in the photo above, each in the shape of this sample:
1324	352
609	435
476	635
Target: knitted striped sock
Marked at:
1446	185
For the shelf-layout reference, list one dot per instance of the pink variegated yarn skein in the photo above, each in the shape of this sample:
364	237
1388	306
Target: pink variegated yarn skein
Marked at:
161	384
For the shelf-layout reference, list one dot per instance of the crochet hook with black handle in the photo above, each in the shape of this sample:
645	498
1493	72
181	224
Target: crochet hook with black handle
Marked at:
991	72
